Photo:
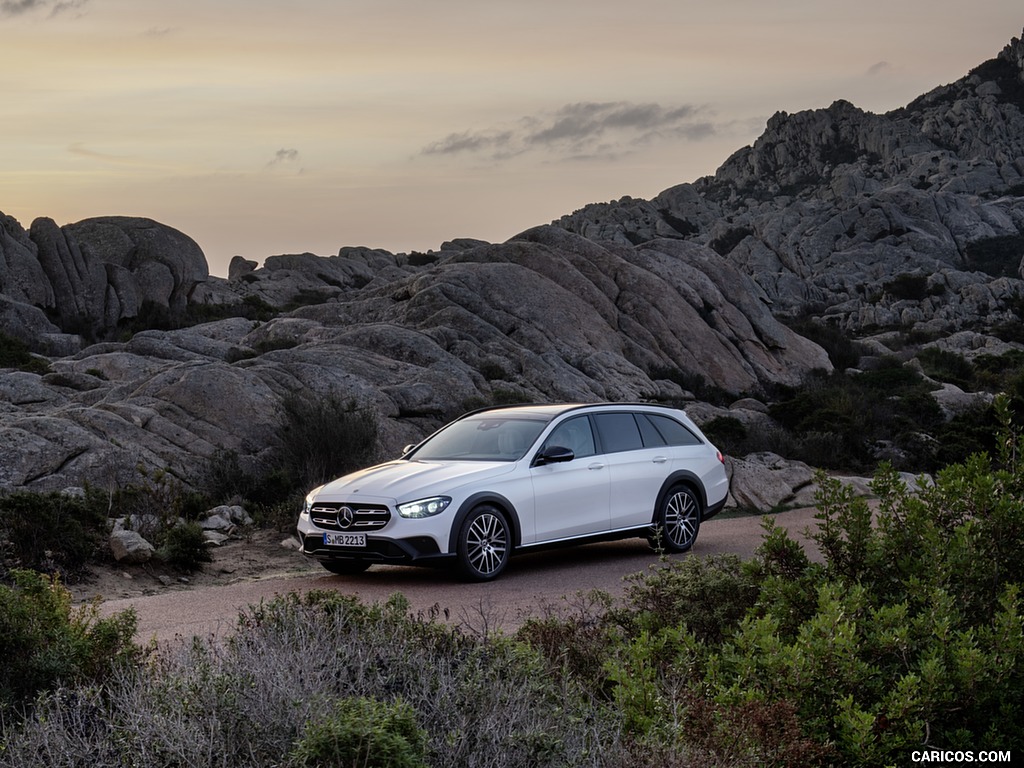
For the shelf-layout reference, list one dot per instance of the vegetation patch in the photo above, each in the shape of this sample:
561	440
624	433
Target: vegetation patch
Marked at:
15	353
323	438
44	643
725	243
907	630
996	256
51	533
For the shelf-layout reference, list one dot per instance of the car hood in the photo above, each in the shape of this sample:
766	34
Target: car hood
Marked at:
408	480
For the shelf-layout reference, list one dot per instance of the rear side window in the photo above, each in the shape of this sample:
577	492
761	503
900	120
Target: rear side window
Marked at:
618	432
652	437
673	432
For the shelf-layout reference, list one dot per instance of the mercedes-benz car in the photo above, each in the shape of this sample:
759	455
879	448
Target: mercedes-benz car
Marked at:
504	480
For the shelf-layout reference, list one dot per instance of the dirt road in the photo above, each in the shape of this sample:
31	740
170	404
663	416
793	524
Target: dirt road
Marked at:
530	581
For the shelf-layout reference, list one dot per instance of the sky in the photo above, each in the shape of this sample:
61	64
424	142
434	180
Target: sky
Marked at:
260	127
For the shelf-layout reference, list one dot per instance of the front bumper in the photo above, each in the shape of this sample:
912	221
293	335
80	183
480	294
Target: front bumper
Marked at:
417	550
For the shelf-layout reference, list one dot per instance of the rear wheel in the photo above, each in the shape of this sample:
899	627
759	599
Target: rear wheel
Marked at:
345	567
678	521
484	544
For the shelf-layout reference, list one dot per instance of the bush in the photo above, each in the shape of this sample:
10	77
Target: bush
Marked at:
322	439
184	547
52	533
45	642
908	287
278	687
15	353
707	595
996	256
946	366
362	732
842	421
727	433
843	352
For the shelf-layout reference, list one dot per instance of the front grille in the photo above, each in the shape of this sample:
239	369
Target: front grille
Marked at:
350	517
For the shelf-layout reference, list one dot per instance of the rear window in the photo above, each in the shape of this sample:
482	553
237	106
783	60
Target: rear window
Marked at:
673	432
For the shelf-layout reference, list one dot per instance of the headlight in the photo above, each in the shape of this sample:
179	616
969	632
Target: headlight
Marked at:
308	503
424	507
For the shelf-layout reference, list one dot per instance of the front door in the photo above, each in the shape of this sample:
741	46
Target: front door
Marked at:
571	498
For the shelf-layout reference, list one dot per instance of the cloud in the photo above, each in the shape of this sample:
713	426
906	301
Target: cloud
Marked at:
78	148
283	156
18	7
284	161
583	129
879	68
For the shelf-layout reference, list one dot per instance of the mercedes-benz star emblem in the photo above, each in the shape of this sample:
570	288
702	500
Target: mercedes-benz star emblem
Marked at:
345	517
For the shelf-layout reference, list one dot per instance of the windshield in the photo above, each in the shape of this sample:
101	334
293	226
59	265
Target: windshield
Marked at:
482	438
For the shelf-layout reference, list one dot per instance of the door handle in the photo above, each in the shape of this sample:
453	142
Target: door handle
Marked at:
596	465
659	459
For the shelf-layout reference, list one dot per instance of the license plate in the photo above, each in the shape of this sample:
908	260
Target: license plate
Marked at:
345	539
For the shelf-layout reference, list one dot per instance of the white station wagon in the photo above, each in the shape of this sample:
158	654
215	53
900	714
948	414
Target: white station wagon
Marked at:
504	480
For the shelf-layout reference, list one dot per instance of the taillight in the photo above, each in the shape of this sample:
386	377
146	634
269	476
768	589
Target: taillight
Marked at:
721	458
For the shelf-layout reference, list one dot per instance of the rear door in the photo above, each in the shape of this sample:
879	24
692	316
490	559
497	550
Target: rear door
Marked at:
639	461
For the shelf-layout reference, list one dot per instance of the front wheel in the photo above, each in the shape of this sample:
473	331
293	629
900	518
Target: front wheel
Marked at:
484	544
678	521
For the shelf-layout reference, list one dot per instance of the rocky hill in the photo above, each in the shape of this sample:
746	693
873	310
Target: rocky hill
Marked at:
909	222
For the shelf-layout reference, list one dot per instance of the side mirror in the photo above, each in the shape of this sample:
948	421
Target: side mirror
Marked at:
553	454
409	447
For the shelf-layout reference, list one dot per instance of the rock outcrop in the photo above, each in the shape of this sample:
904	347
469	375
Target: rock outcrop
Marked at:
90	277
910	220
546	316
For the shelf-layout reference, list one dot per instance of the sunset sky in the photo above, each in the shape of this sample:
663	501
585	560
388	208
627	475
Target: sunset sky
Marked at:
260	127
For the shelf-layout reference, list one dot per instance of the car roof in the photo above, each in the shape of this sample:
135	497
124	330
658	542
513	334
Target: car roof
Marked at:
551	410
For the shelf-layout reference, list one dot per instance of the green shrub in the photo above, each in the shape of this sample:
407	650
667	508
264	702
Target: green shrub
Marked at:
727	432
946	366
841	421
417	259
509	396
706	595
15	353
996	256
725	243
491	370
51	532
701	387
184	547
45	642
323	438
843	351
362	732
908	287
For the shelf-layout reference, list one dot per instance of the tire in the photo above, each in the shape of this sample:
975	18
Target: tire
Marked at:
484	544
345	567
678	521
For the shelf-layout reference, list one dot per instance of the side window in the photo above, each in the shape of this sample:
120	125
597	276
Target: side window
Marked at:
618	432
574	434
652	437
673	432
